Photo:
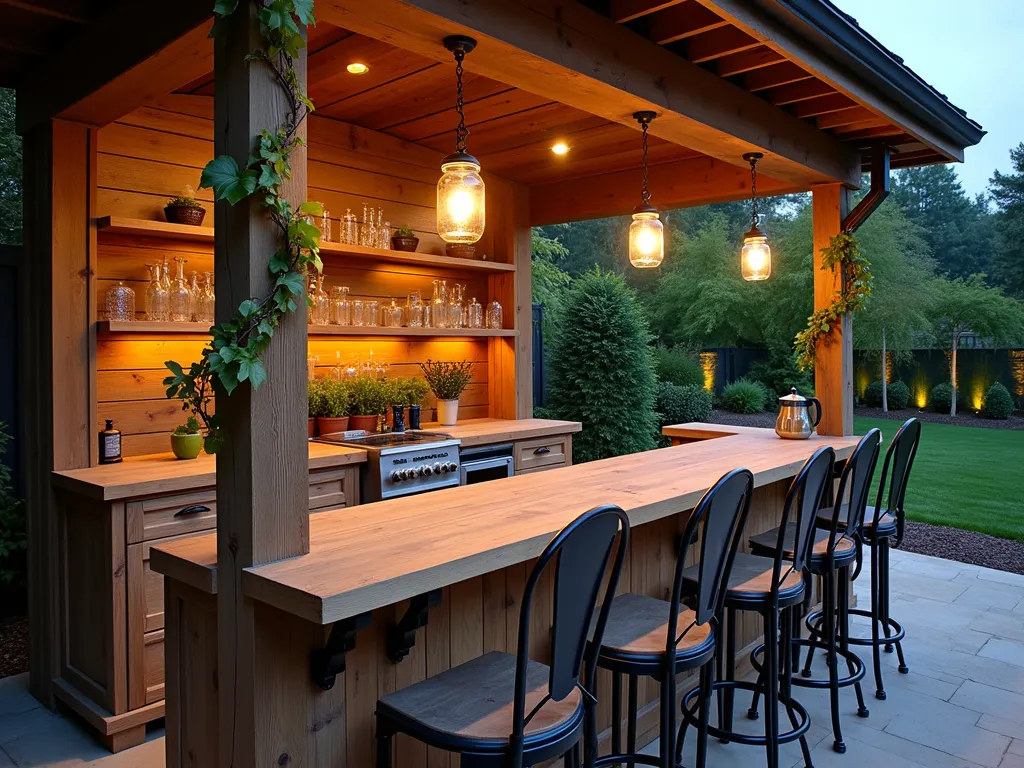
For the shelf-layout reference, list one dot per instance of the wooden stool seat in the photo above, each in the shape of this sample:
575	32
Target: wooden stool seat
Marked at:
638	626
765	543
751	581
473	701
886	521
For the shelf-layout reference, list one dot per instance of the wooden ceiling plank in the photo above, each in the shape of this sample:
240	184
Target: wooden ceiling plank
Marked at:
871	133
746	61
682	21
717	43
794	92
698	181
622	11
554	169
822	105
545	123
573	55
509	104
845	117
774	76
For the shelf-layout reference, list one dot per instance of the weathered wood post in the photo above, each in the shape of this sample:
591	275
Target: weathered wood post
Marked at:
833	361
262	471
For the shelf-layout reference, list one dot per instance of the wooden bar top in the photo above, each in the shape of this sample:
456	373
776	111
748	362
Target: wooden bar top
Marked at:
378	554
490	431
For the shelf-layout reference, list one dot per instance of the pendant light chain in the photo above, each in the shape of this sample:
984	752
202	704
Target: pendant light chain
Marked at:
646	192
461	132
753	192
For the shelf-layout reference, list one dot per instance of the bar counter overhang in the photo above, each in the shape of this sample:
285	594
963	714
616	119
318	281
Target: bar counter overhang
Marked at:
475	544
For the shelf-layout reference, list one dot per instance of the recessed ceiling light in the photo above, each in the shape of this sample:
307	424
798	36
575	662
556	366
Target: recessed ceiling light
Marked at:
560	148
357	68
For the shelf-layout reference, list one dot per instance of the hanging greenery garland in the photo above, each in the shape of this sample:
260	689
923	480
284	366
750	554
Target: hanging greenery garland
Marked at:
842	255
237	347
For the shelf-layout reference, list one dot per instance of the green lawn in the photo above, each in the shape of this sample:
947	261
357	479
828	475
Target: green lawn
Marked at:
966	477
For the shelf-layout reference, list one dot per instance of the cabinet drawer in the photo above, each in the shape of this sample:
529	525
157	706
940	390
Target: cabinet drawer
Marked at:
163	516
331	488
153	667
546	452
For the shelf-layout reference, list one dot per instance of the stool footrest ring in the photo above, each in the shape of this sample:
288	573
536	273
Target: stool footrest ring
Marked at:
627	759
689	708
805	682
813	624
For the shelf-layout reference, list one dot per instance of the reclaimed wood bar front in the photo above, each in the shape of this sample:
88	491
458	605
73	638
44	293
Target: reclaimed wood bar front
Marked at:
476	545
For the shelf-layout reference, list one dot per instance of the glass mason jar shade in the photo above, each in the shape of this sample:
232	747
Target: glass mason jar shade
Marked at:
460	200
756	256
646	239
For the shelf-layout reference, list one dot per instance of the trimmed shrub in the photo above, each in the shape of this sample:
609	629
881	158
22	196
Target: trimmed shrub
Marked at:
941	396
679	405
601	371
899	396
744	396
997	404
873	395
677	368
779	374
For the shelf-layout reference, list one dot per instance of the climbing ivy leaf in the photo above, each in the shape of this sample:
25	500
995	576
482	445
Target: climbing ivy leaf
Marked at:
227	180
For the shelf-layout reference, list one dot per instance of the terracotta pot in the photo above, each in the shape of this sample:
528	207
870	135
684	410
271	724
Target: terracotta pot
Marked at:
328	424
369	423
460	250
187	446
185	214
312	427
404	243
447	412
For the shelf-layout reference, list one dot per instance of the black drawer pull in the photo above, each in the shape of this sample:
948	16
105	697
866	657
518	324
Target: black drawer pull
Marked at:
543	449
195	509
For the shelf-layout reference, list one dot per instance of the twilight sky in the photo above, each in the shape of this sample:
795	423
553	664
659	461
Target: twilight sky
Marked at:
971	51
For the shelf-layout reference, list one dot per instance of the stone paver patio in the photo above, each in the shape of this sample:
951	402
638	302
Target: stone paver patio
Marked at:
961	706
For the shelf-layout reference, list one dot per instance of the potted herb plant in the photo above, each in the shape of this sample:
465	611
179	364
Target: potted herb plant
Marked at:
317	402
447	380
186	440
336	407
185	209
404	240
369	400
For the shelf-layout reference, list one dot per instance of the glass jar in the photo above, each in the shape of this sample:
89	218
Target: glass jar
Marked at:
414	309
156	296
341	307
456	308
370	313
181	298
392	315
475	314
358	318
320	312
120	303
350	234
439	304
494	319
384	235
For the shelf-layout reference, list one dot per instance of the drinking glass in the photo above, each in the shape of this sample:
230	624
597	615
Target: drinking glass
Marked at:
156	295
181	297
370	312
414	309
439	304
120	303
341	307
320	312
358	316
494	319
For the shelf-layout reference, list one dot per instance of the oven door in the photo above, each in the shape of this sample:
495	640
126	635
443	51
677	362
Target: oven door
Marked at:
492	462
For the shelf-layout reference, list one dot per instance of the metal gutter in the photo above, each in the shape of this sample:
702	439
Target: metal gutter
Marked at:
840	37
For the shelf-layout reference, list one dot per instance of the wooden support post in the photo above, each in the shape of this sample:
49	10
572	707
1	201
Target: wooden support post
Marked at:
54	360
833	360
262	472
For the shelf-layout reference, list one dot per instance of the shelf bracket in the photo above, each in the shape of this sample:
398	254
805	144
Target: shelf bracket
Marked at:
876	194
328	662
401	637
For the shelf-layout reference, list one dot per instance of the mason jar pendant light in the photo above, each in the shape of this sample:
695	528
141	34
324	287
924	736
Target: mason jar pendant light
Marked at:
460	191
756	255
646	232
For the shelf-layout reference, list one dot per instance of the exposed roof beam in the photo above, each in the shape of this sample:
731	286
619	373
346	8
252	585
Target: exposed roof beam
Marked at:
579	58
794	92
849	116
717	43
746	61
680	184
681	22
65	10
622	11
774	76
822	105
131	53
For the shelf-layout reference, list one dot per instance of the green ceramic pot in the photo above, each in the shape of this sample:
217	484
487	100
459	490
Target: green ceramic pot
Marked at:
187	446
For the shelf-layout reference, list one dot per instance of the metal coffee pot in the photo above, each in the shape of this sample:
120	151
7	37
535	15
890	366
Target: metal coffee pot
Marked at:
794	420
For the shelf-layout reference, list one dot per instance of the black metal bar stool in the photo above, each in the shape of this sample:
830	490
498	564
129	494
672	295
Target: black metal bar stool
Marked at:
881	524
642	638
771	586
500	710
833	554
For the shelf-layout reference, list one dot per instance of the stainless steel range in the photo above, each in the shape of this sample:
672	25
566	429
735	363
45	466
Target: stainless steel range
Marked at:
403	463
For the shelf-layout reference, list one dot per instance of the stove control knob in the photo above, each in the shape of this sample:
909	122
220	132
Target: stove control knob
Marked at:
453	467
437	469
408	474
426	471
396	476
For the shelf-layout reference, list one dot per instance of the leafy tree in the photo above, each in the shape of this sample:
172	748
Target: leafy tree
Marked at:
956	228
965	306
548	281
1007	191
10	172
601	371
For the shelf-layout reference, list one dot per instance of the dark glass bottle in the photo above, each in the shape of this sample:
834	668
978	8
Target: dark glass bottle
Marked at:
414	416
110	444
398	418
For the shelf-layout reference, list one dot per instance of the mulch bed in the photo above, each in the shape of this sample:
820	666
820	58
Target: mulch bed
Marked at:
964	546
969	419
13	646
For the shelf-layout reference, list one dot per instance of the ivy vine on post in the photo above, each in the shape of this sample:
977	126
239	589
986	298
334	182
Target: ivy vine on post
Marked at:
842	255
237	347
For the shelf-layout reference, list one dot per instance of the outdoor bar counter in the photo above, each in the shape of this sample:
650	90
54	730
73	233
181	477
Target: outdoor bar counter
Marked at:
473	543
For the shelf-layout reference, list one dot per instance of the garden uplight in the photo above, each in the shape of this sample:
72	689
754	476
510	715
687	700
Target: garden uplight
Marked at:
756	254
646	232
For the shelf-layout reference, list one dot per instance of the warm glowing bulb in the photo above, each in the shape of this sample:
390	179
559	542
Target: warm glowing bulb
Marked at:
460	200
560	148
460	206
646	239
357	68
756	258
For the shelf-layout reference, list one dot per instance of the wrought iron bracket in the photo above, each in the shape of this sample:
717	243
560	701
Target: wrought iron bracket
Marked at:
878	192
401	637
328	662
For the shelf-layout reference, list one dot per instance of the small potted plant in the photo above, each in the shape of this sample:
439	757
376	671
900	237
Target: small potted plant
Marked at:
404	240
185	209
447	380
317	403
335	416
186	440
369	400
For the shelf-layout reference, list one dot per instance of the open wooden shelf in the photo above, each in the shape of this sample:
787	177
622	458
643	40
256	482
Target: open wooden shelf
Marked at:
107	327
120	225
